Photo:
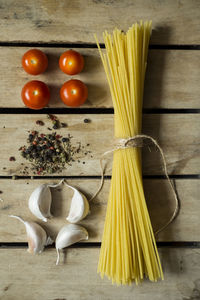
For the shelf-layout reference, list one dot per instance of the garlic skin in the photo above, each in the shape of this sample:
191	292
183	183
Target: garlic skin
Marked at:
40	202
36	236
68	235
79	208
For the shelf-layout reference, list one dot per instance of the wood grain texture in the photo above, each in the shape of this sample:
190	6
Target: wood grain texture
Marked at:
159	199
177	134
174	22
24	276
167	82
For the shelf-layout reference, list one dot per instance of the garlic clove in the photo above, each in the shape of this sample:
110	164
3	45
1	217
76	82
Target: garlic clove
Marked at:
36	236
79	208
68	235
40	202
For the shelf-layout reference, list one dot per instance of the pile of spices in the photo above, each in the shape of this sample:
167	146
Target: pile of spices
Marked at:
48	153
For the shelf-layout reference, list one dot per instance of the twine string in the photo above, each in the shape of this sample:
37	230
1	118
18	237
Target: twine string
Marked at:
137	141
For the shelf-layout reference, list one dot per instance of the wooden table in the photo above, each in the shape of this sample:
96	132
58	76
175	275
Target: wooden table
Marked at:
171	116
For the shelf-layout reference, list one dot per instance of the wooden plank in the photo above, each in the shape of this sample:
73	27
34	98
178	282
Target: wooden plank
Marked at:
24	276
159	198
178	134
167	82
174	22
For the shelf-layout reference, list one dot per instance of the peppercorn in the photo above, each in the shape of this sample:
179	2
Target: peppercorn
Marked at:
38	122
12	158
30	137
64	140
87	120
23	154
55	126
27	151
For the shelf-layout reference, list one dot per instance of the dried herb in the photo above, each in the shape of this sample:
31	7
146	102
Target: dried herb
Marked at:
64	125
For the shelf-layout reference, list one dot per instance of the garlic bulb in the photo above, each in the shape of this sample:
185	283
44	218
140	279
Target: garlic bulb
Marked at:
79	208
68	235
37	237
40	202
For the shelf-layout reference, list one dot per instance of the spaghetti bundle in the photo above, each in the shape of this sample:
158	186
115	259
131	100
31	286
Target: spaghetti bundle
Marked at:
128	251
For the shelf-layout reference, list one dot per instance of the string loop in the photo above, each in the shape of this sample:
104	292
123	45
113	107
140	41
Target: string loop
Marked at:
138	141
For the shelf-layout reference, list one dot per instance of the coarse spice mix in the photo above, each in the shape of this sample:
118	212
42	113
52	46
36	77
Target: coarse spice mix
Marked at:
49	153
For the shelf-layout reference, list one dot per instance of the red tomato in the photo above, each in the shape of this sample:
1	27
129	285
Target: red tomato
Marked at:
34	62
71	62
35	94
74	93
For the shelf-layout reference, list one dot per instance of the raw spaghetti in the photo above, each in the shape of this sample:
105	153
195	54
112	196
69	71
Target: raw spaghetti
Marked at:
128	251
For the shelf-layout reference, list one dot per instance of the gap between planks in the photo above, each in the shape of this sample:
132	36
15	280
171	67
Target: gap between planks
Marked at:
96	110
192	245
106	177
91	45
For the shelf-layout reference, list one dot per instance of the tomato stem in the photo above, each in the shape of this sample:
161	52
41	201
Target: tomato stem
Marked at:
73	92
35	92
33	61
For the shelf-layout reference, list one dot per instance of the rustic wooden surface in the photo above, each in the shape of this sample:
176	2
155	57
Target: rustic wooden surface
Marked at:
171	115
160	203
173	132
76	278
175	22
167	82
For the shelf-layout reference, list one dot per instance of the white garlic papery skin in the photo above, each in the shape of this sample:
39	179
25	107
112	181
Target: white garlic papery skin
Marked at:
36	236
68	235
40	202
79	208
